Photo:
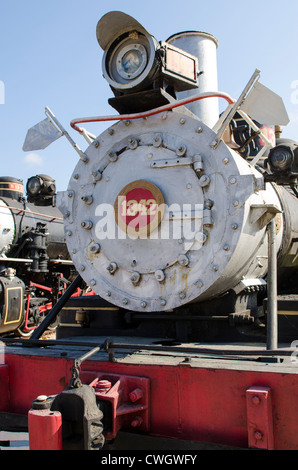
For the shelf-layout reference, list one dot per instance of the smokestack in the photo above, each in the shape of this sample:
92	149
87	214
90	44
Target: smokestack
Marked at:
204	47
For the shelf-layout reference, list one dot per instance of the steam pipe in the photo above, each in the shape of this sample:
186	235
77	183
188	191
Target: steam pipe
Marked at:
272	315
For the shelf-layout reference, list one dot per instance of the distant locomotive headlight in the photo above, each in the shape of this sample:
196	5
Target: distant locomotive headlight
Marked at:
281	158
41	190
34	185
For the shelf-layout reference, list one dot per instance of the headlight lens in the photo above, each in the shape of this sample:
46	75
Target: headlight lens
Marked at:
131	61
281	158
34	185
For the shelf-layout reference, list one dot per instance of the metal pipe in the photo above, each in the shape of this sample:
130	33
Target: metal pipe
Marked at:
153	112
52	315
204	47
272	315
149	347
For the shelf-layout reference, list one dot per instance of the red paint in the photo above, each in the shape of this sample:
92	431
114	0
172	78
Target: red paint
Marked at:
45	430
197	404
259	418
138	208
129	399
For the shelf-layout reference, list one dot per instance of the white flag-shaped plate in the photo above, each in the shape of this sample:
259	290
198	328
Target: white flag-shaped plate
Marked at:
265	107
41	135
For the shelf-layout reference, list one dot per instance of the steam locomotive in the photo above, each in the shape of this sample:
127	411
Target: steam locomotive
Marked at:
166	215
183	221
35	264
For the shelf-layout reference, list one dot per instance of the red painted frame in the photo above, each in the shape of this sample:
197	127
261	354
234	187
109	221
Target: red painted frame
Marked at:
197	404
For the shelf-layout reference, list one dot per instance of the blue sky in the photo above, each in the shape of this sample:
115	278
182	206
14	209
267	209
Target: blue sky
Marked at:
49	56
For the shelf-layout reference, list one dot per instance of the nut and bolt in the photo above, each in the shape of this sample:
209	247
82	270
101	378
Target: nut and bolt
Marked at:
258	435
94	248
181	150
87	199
113	156
97	175
135	277
133	143
87	224
138	421
112	268
256	400
204	181
136	395
183	260
157	141
103	386
159	275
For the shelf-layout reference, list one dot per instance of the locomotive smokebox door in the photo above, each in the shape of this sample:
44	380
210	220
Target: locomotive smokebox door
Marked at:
169	220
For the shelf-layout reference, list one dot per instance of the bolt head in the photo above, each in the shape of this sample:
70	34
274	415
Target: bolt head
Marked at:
256	400
258	435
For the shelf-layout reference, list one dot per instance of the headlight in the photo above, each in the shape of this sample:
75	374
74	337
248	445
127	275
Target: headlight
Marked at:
34	185
281	158
135	62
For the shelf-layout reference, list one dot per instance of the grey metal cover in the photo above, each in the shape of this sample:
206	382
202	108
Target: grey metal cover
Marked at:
41	135
113	24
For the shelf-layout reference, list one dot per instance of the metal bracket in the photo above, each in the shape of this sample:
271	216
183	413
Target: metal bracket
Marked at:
259	418
170	163
263	213
125	398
